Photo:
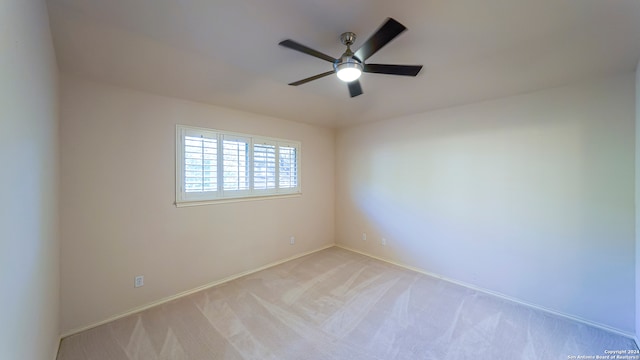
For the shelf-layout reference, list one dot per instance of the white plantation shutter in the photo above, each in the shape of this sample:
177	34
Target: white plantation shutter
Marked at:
264	166
201	164
215	165
288	167
235	153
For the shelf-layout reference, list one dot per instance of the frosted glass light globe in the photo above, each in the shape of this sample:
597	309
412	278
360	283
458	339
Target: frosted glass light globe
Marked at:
349	74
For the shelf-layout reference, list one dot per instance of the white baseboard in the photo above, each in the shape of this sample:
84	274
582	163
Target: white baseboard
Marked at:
503	296
188	292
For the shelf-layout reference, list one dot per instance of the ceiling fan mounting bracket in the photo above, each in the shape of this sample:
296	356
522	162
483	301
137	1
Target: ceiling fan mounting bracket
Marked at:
348	38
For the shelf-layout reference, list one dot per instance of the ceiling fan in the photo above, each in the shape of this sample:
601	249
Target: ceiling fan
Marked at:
351	64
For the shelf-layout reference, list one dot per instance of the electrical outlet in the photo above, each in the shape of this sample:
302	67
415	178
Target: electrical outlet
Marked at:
138	281
364	236
383	242
292	240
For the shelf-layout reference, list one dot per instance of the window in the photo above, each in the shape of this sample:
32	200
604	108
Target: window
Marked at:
214	165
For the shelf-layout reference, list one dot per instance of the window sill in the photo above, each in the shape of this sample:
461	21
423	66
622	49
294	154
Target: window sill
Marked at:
234	200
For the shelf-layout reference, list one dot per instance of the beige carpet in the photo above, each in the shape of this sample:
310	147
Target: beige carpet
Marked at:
336	304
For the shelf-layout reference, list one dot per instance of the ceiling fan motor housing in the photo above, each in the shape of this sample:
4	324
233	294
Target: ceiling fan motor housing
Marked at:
347	60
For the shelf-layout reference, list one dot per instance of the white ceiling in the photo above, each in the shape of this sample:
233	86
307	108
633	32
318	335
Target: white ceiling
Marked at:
226	52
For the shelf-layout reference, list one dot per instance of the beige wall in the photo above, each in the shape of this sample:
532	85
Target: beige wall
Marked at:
530	196
118	187
29	251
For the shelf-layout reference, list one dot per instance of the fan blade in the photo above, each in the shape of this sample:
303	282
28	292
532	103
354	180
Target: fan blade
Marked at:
304	81
307	50
354	88
406	70
380	38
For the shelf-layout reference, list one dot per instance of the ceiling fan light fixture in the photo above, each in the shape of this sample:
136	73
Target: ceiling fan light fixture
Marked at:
349	70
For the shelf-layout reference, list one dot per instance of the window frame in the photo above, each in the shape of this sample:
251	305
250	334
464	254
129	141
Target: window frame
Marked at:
220	195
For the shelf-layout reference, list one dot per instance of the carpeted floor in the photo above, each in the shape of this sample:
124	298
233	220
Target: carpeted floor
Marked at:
336	304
